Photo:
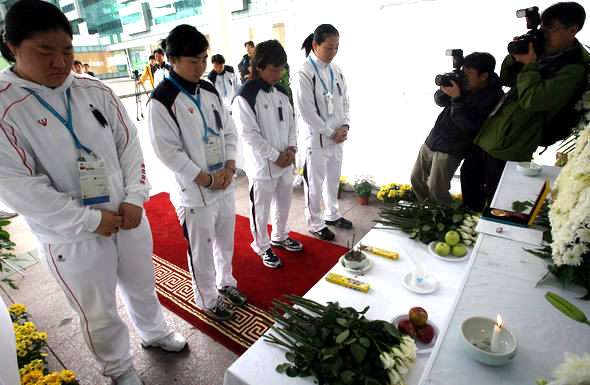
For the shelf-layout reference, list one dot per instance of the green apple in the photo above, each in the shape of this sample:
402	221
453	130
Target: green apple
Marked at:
442	248
452	238
459	250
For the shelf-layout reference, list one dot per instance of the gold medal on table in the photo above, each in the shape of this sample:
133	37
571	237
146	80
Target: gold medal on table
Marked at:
499	213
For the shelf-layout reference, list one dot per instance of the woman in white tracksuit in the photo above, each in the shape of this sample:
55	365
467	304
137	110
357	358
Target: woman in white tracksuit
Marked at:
194	136
72	165
322	105
265	120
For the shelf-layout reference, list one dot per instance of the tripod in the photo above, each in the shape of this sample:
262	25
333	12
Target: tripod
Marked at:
138	87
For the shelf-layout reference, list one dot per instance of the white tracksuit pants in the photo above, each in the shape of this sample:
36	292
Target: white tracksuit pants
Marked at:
210	233
89	272
322	175
265	193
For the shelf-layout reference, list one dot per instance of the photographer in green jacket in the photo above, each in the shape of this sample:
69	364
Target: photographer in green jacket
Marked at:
541	86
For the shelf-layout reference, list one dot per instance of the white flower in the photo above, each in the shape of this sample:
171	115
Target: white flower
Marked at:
387	361
579	249
583	234
570	259
394	377
574	371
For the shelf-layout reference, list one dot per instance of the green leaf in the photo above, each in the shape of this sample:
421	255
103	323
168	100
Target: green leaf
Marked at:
342	322
426	227
4	234
347	376
358	352
292	371
4	223
283	367
342	336
392	330
365	342
290	356
440	226
457	218
349	341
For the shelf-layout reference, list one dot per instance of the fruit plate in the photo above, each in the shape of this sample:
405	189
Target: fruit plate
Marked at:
450	257
356	271
421	347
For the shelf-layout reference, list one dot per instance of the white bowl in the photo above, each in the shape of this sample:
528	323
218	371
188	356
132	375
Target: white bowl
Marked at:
525	169
356	265
476	329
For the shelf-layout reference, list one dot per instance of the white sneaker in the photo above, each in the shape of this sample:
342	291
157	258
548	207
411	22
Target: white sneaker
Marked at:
128	377
173	342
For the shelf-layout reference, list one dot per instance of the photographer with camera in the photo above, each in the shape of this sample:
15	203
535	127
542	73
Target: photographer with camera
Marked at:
467	96
543	79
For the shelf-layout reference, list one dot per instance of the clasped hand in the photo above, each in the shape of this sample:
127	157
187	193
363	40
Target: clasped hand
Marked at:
128	217
285	159
340	135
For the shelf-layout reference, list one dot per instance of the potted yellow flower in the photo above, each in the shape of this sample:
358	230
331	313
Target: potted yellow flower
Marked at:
342	185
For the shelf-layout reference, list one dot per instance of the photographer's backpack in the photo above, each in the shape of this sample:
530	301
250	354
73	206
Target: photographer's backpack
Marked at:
561	126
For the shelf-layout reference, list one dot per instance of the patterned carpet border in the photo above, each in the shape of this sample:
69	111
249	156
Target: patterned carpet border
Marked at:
174	287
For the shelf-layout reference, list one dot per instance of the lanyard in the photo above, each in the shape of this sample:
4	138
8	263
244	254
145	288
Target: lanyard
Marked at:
320	76
223	81
197	101
67	123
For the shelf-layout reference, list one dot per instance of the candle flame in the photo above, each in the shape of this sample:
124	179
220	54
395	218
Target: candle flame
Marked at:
499	320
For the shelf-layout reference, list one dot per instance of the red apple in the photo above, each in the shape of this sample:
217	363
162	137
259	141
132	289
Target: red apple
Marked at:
418	316
425	333
405	326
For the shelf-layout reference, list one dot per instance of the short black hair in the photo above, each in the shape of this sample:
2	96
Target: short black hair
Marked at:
152	57
185	40
86	64
158	50
482	62
250	43
218	59
76	62
567	13
28	17
269	52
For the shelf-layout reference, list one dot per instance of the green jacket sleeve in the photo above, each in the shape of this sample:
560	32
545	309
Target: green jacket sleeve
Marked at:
510	70
537	94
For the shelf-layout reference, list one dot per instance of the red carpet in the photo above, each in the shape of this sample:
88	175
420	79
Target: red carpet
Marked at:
300	271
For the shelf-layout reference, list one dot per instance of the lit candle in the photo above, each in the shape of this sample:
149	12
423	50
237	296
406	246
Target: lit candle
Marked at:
532	165
495	345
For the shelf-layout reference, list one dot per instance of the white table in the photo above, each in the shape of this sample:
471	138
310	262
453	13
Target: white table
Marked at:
502	279
481	286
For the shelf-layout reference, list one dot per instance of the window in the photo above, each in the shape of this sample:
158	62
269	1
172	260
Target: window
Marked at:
68	8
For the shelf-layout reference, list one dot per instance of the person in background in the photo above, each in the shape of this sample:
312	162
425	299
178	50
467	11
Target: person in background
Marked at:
87	69
148	72
224	78
322	105
161	69
245	67
77	176
466	106
265	120
77	67
195	137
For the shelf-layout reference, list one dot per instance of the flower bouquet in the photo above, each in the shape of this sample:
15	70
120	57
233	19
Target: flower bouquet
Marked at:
339	345
395	192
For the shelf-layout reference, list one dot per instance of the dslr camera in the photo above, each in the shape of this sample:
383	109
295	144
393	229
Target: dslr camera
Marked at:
456	75
534	35
136	75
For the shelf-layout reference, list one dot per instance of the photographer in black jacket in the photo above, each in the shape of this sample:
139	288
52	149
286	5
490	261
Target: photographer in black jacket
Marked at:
465	110
244	66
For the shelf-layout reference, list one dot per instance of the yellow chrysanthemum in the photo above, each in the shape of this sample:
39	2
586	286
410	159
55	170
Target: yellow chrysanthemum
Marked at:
32	377
17	309
68	375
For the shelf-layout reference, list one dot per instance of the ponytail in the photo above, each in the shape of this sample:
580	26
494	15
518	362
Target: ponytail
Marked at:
307	44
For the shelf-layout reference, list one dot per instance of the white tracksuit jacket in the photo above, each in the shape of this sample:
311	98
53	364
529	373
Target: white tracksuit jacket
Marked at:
266	124
38	169
177	130
230	79
311	106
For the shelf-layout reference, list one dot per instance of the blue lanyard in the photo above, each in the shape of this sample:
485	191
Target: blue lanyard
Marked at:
67	123
320	76
224	89
197	101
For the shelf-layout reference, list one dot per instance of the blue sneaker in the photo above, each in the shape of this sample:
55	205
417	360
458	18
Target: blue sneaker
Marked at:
270	259
288	244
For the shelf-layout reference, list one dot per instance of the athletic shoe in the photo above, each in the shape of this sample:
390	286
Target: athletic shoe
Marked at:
324	234
7	215
233	295
288	244
128	377
270	259
173	342
341	222
221	311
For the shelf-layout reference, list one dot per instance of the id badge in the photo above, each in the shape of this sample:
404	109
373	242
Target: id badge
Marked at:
213	153
330	103
94	182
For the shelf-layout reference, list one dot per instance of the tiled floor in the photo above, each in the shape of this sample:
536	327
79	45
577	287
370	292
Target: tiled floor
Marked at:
205	361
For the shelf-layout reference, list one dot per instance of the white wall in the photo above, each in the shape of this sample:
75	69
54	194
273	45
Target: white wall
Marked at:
390	56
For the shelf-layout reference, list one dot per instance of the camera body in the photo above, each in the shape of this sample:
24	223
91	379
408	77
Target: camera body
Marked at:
136	75
534	35
456	75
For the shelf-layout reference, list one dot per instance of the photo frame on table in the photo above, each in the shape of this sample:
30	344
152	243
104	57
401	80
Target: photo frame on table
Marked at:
517	218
